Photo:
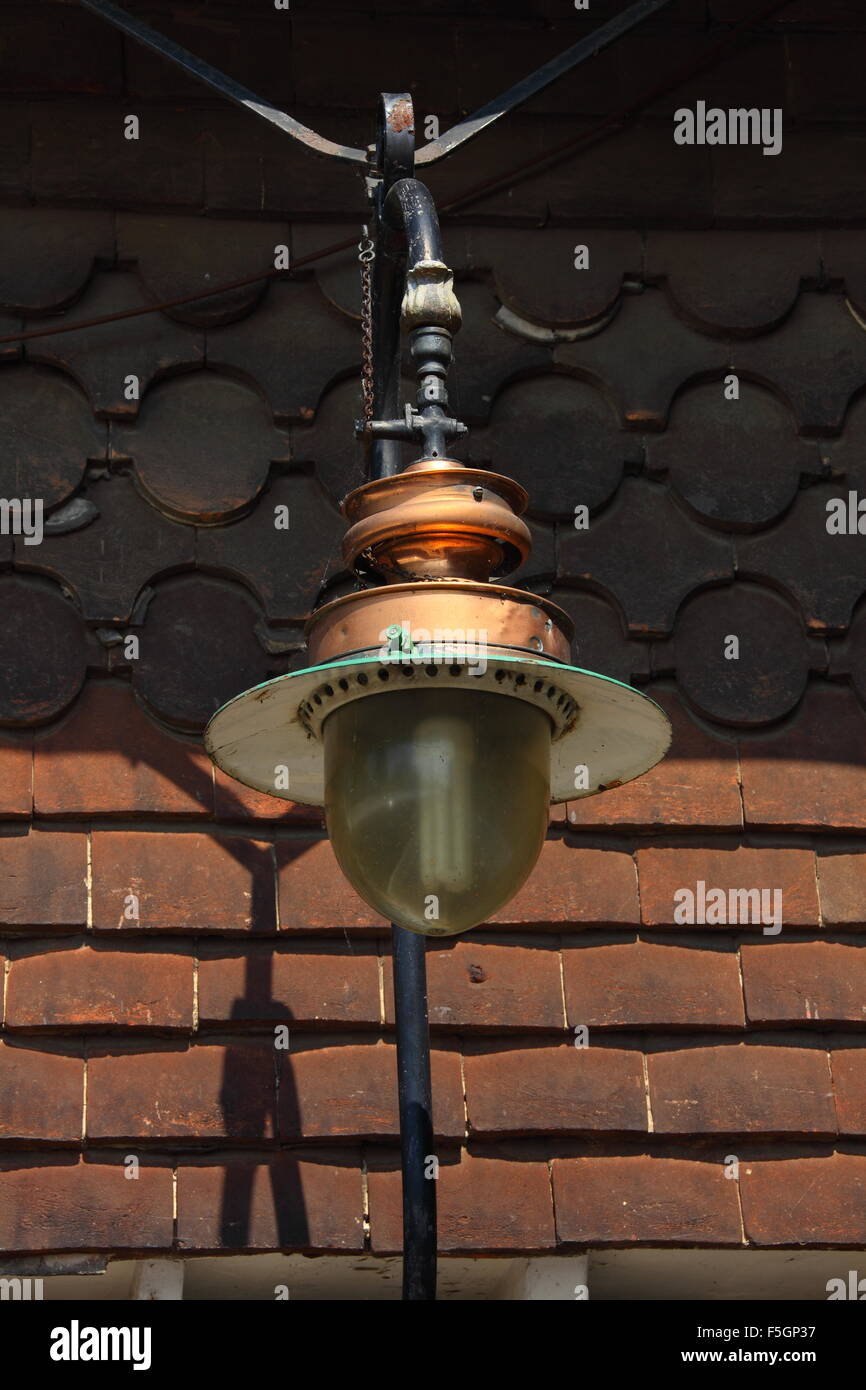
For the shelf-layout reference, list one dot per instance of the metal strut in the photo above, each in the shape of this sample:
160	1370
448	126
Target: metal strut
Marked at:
437	149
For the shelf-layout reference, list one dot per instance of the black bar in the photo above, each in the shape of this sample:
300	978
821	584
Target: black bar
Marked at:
319	144
226	86
416	1115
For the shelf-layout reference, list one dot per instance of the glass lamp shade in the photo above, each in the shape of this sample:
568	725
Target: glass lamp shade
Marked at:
437	802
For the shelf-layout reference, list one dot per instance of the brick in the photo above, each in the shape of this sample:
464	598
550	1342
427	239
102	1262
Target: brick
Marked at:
234	801
842	885
107	758
41	1095
92	988
349	1090
483	1203
663	872
644	1199
811	774
314	895
16	777
577	886
745	1088
848	1066
43	880
83	1206
822	982
555	1090
805	1201
313	984
284	1203
696	784
639	983
182	882
479	985
206	1093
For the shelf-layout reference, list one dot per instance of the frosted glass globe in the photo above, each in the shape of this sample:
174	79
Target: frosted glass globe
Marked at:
437	801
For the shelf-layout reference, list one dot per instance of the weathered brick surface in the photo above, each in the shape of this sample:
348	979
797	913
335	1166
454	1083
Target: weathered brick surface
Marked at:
555	1090
742	1088
234	801
663	872
819	982
798	1201
483	1204
644	1200
314	895
281	1203
848	1065
641	983
336	1092
87	987
695	785
83	1205
810	774
479	985
313	984
575	885
41	1094
182	882
107	758
16	777
43	879
203	1093
706	517
842	885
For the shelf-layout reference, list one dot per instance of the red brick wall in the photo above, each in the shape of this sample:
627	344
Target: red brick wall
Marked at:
159	921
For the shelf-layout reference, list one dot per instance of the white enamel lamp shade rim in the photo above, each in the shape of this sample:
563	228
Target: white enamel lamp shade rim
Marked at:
616	734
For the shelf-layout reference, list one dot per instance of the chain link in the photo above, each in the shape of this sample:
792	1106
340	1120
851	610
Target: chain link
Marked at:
366	255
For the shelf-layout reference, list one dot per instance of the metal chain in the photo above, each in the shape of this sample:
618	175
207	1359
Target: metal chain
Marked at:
366	254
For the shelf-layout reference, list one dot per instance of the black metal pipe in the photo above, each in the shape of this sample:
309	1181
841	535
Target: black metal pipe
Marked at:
395	153
416	1115
409	209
